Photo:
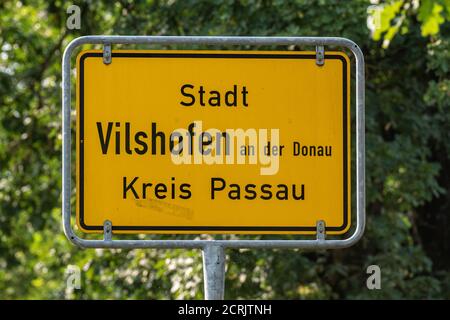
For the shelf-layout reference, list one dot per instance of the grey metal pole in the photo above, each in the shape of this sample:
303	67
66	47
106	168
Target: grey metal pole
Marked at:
214	271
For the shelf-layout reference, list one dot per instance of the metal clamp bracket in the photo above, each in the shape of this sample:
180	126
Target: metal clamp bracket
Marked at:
320	55
107	53
107	231
320	230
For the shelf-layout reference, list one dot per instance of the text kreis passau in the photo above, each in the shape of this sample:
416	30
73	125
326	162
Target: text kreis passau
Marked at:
136	188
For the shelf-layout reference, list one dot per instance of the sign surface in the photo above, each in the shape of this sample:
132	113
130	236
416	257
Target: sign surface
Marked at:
213	142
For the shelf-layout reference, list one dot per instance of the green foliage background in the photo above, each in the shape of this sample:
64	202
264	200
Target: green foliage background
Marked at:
408	147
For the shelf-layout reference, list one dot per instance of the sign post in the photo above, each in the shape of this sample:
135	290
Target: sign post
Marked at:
214	142
214	272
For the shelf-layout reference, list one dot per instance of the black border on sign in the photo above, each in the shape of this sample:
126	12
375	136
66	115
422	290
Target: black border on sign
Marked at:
208	55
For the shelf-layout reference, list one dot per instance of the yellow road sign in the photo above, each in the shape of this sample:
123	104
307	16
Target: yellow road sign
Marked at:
213	142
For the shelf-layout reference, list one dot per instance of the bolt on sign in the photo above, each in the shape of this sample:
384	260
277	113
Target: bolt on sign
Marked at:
213	142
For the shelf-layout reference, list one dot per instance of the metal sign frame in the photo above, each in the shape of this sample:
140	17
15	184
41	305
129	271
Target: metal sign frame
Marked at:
213	250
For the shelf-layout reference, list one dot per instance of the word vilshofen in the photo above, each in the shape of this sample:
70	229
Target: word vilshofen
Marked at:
195	145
